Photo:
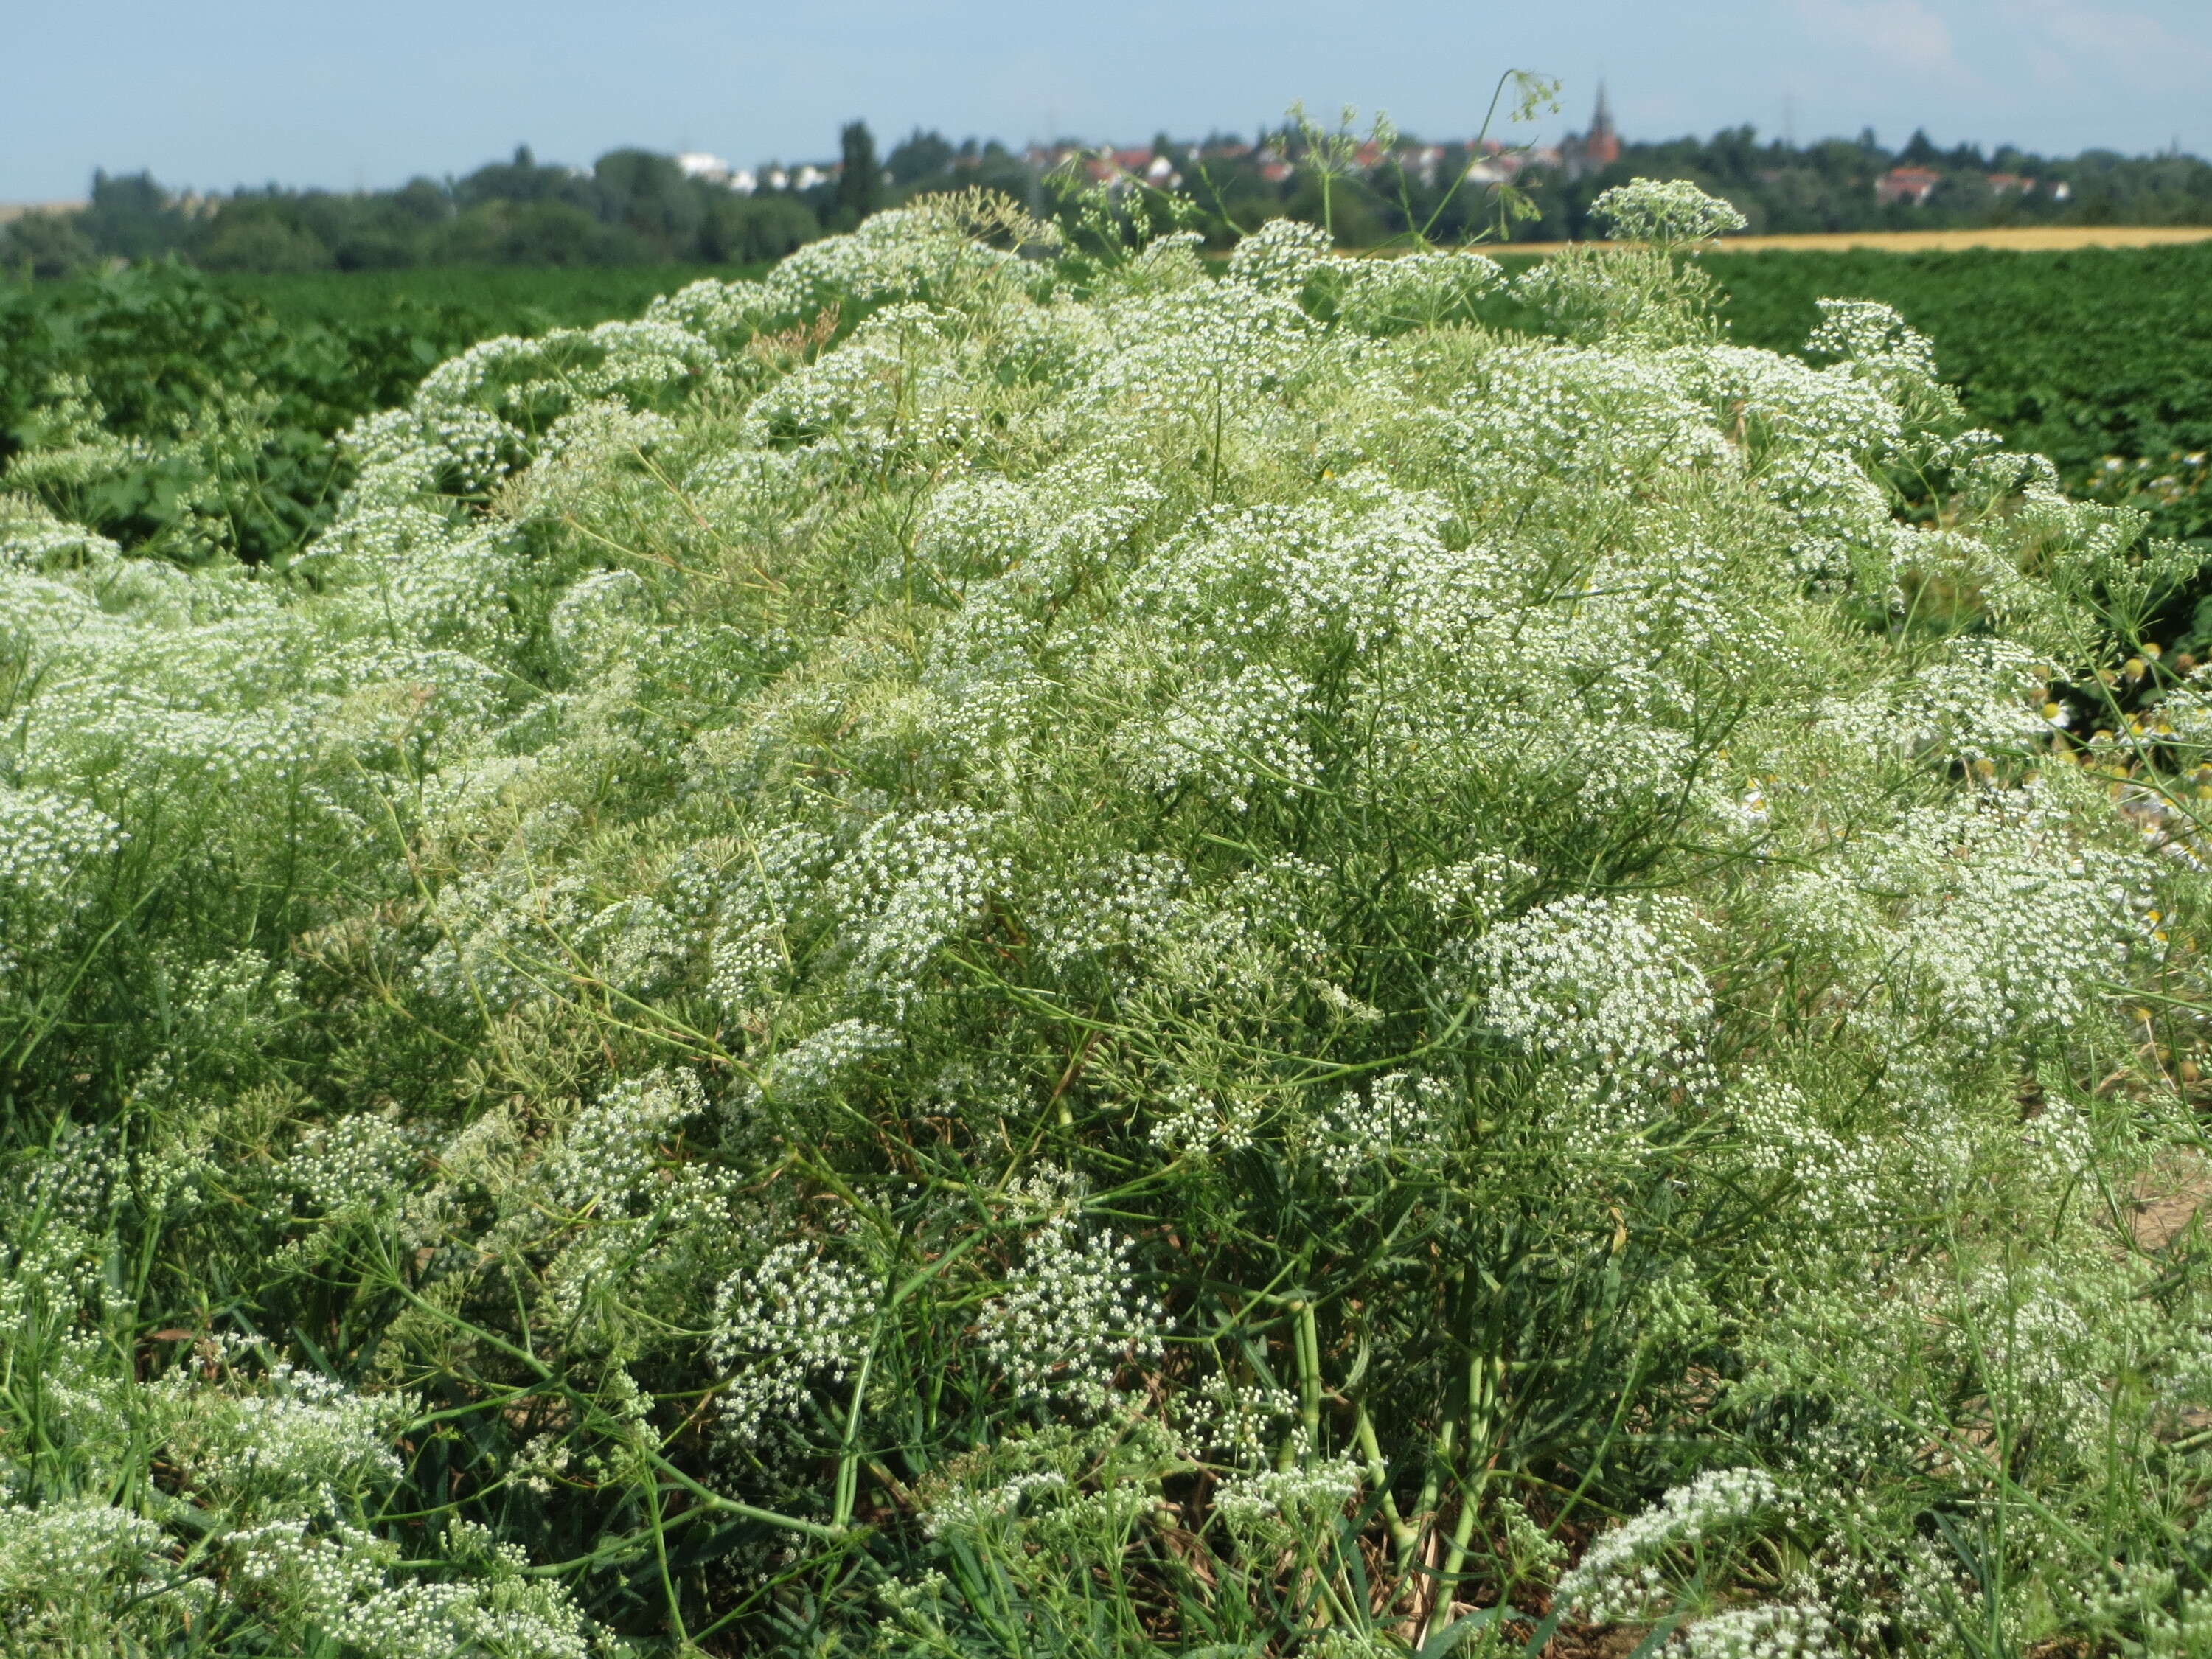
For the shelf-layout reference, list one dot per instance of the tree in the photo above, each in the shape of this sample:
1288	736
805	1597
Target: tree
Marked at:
522	180
750	229
860	182
132	216
650	195
47	244
918	156
262	240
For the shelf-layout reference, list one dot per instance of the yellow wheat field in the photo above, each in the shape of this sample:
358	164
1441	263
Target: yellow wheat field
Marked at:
17	210
2042	238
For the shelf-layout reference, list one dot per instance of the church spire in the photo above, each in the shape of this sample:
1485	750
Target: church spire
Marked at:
1602	148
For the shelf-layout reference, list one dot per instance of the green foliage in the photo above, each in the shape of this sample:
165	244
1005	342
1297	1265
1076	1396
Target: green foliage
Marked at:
1783	187
48	243
476	301
860	176
633	207
2081	355
185	415
999	947
926	163
2076	354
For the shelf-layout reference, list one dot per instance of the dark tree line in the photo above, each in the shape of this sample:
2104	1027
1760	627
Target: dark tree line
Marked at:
1781	187
633	206
1830	185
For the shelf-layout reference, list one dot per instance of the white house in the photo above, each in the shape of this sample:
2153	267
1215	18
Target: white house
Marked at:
698	164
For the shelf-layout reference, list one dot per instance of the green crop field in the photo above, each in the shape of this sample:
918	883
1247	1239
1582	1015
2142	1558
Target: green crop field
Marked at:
504	299
191	413
2100	358
2079	354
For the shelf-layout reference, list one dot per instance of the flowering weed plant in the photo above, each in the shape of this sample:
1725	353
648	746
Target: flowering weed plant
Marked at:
997	949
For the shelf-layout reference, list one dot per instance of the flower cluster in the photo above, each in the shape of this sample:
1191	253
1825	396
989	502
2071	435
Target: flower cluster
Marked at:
1400	1121
1621	1574
798	1320
1602	984
1073	1317
1665	210
910	886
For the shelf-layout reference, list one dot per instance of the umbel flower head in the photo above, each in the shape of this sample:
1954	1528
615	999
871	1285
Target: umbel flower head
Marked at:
1669	212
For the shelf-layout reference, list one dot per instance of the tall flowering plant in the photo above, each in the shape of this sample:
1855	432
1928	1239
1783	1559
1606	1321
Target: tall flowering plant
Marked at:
984	950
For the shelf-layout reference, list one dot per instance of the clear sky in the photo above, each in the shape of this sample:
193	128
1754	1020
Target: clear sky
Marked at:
229	92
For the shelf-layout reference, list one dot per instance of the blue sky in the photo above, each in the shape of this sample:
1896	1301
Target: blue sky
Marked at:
247	91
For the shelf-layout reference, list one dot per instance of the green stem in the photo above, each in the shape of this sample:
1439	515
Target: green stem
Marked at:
848	1458
1308	1352
1483	1377
660	1560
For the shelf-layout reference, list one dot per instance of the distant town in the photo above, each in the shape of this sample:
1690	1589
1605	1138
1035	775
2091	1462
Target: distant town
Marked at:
636	206
1573	157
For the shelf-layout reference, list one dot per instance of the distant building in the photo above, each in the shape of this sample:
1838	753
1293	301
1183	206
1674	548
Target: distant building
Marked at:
714	170
1584	153
1488	160
698	164
2005	184
1913	184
